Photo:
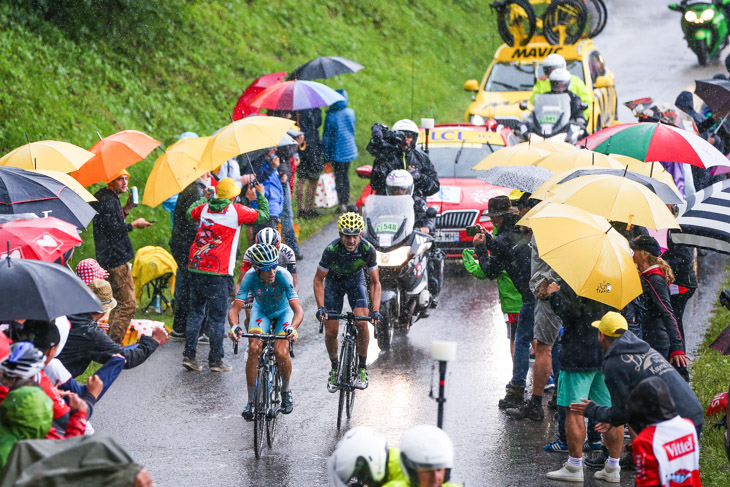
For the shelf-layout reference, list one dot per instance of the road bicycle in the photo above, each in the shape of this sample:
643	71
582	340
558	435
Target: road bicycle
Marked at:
268	390
560	21
347	368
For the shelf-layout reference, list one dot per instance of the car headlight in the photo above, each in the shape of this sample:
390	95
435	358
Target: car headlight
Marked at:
707	15
396	258
484	217
690	16
476	119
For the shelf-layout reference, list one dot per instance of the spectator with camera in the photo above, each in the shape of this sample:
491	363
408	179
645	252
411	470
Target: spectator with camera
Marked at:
396	149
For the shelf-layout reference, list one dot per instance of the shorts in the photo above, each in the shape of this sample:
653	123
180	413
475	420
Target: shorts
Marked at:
547	324
574	385
309	169
262	322
510	319
354	287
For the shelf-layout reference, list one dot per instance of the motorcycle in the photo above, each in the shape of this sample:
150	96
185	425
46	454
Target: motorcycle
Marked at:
402	261
705	27
550	118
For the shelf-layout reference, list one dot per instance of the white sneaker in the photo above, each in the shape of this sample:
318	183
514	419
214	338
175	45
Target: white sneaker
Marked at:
568	473
609	474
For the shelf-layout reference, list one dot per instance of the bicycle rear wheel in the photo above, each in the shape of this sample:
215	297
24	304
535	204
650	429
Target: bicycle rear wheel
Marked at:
570	14
259	418
275	403
516	18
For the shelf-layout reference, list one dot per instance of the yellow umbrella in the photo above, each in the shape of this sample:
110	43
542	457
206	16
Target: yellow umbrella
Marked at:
241	136
615	198
652	169
587	253
52	155
174	170
572	159
72	184
551	145
517	155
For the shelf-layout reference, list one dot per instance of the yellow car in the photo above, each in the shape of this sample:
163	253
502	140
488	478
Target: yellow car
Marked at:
512	74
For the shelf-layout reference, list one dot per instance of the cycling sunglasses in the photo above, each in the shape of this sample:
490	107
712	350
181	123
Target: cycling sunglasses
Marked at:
268	267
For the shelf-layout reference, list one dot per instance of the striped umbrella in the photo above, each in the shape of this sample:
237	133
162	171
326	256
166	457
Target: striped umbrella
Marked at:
705	219
296	95
655	142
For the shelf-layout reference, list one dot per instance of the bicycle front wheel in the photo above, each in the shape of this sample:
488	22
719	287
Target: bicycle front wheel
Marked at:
259	418
350	399
567	15
275	404
516	22
343	380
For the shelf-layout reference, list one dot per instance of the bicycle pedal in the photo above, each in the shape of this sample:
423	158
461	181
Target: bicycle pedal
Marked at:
271	413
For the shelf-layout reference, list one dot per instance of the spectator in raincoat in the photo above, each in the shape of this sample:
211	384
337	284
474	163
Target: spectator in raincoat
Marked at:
266	169
339	148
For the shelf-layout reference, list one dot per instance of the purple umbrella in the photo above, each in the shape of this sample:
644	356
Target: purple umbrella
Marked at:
296	95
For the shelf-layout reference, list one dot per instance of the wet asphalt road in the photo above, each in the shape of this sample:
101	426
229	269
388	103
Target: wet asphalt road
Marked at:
186	427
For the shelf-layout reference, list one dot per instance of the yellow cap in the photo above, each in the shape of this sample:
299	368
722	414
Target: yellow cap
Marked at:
515	194
227	188
611	323
114	178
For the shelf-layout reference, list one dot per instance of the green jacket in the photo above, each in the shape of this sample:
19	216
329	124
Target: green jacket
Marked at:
576	86
394	471
405	483
26	414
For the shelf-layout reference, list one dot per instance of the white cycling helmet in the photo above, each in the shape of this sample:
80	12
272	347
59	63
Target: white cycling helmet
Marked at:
397	181
560	81
405	125
552	62
361	458
268	236
425	447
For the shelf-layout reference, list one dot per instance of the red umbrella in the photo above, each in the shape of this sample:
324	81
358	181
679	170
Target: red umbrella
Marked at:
113	154
243	106
44	239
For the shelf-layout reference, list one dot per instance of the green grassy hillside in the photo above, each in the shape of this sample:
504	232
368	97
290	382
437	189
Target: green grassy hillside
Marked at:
72	67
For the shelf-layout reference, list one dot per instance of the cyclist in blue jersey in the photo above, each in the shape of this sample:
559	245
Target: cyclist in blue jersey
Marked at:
341	272
274	300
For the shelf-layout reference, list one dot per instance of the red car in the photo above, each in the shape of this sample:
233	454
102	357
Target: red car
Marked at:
454	149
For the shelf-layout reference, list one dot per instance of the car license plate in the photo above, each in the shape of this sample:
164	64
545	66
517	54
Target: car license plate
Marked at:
444	236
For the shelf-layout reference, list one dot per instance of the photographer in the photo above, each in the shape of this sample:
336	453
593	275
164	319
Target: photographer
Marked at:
396	149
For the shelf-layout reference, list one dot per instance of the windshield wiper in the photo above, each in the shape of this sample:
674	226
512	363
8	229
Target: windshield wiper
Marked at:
511	87
458	156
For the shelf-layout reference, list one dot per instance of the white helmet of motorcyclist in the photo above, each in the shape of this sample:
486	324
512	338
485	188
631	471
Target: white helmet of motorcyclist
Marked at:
560	81
425	447
405	125
362	454
399	182
553	62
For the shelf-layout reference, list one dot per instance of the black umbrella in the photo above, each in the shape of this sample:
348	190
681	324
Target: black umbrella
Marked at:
325	67
663	190
705	219
24	191
37	290
716	93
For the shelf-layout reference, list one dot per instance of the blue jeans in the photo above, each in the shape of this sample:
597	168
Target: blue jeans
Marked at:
287	221
523	338
107	373
211	292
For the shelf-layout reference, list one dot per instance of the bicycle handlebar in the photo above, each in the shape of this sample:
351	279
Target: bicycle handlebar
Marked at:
267	337
348	316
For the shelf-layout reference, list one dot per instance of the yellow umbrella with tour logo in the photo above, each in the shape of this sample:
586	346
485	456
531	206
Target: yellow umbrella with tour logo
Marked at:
587	253
517	155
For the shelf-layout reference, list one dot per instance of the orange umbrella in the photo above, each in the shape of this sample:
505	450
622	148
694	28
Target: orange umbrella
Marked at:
114	154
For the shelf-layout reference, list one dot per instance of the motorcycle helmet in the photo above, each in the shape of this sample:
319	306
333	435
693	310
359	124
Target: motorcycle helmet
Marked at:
24	362
553	62
264	256
399	182
559	81
425	447
351	223
268	236
408	128
361	458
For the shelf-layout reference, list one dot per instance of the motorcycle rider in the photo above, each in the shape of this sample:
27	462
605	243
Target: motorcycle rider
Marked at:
400	182
577	86
560	81
396	149
363	458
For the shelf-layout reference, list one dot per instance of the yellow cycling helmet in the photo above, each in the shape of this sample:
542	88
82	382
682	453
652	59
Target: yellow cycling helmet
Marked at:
351	223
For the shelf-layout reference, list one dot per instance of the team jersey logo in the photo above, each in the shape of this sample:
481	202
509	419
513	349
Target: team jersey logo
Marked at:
679	477
679	447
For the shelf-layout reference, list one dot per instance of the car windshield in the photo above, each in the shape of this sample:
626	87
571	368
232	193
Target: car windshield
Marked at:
444	156
511	77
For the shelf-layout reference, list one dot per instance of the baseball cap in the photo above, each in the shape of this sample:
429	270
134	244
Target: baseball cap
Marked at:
89	269
103	291
227	188
611	323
